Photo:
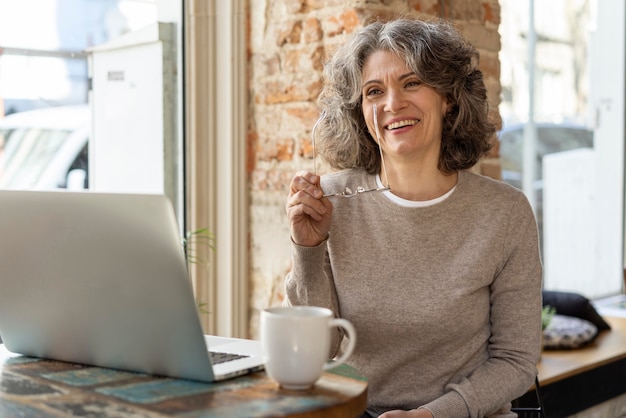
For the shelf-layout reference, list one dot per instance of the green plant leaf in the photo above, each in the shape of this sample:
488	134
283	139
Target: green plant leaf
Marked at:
202	308
547	312
196	245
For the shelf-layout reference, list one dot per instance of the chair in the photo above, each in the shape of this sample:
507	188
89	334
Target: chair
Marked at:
537	411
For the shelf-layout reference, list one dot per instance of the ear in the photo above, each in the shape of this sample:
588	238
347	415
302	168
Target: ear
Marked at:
446	107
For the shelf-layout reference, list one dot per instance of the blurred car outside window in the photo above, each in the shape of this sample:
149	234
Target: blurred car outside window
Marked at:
551	138
44	148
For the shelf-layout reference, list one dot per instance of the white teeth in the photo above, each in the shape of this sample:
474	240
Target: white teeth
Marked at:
402	123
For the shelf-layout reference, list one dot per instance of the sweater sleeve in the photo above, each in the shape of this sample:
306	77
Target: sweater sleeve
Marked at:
310	282
515	321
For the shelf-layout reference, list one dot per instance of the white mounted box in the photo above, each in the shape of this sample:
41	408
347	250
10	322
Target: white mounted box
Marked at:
133	98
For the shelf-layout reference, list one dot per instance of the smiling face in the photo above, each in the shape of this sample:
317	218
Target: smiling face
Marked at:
410	113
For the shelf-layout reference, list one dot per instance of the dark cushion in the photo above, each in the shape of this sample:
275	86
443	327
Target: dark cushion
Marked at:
565	332
573	304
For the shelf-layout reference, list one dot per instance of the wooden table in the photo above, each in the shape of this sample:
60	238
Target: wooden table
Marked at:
33	387
588	380
608	347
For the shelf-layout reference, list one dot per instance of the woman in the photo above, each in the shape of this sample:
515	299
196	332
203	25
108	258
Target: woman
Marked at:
438	268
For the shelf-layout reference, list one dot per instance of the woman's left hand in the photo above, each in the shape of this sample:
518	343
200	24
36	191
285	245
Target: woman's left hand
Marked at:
414	413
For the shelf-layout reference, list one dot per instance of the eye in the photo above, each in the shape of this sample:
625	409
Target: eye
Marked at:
413	83
373	91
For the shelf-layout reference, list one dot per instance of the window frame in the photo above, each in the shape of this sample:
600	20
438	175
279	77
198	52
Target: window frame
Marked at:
215	109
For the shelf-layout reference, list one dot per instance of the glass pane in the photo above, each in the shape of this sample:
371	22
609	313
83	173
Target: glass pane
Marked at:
25	164
45	116
570	156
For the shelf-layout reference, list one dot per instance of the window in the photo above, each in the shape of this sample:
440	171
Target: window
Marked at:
576	110
46	48
47	119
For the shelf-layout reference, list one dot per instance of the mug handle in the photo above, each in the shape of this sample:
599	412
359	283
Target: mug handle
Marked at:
349	328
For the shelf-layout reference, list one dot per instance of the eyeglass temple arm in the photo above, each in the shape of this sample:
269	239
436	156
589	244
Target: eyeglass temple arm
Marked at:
380	147
322	116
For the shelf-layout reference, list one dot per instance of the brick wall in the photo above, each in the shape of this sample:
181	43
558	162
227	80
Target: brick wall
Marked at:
289	42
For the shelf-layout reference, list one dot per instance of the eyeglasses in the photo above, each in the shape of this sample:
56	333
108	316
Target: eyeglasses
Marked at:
349	192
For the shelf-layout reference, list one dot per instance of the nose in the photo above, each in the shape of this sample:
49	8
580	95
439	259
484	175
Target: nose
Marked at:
395	101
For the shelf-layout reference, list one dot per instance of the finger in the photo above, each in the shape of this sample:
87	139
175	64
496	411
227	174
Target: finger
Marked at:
297	211
313	196
310	177
305	191
310	205
303	180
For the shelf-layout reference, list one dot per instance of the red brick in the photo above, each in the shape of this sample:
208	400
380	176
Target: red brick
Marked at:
303	114
251	147
291	61
305	59
294	6
305	146
429	7
490	65
290	32
346	22
350	20
317	59
468	10
312	30
481	37
492	12
271	180
315	5
280	149
271	65
286	91
332	27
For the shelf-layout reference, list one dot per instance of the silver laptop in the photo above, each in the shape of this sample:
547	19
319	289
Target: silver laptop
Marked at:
101	279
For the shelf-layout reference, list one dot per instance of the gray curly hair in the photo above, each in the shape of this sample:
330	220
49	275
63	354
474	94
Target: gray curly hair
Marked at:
439	55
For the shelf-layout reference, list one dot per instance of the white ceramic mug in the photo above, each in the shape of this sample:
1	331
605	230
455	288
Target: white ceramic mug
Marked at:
296	344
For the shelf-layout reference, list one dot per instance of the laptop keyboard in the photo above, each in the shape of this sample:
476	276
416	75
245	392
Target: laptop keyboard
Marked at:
218	357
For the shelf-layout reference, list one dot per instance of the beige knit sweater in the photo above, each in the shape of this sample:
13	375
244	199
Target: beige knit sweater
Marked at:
446	299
